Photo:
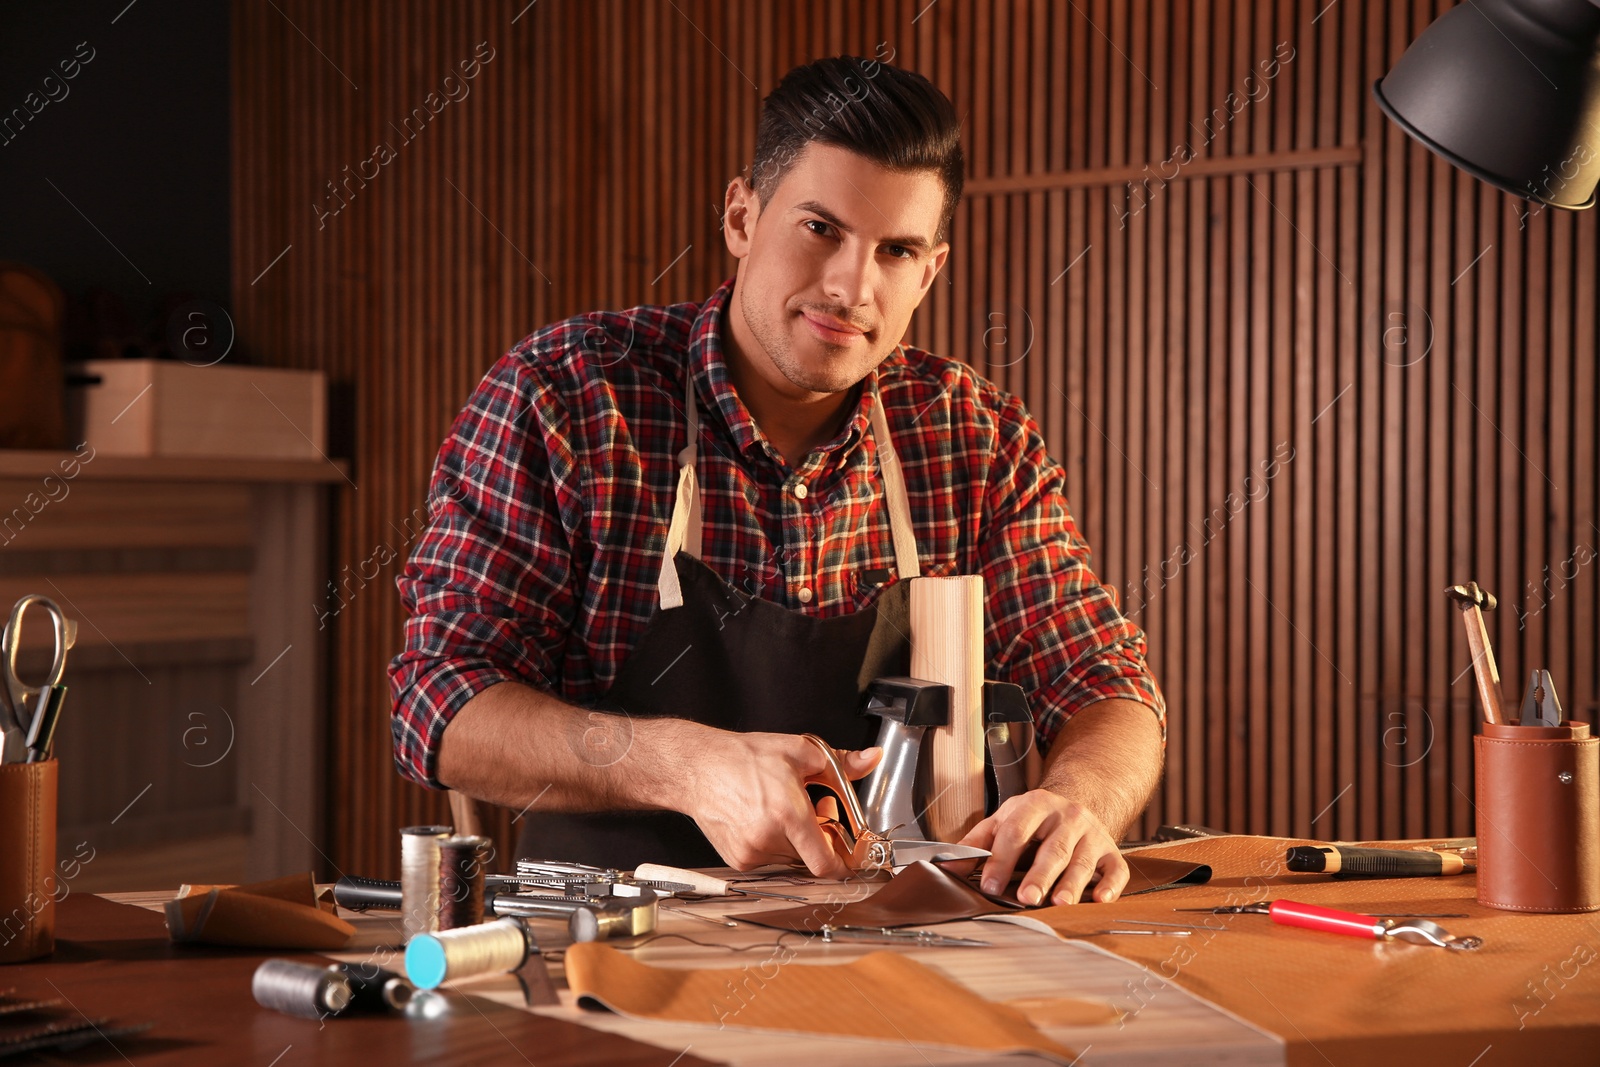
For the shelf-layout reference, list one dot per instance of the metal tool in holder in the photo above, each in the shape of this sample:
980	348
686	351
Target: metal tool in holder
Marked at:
898	790
1541	707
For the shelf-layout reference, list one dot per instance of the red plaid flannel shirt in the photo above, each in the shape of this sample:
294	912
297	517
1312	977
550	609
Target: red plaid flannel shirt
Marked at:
550	499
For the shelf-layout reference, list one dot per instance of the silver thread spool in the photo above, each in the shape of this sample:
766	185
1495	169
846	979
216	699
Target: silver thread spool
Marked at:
488	948
300	989
419	878
461	861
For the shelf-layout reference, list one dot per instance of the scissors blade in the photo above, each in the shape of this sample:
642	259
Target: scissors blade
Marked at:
910	851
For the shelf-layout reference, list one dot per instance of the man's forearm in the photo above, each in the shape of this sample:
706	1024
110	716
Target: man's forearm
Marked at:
515	746
1107	757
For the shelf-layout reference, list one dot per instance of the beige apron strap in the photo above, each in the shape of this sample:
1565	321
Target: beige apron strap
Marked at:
683	532
894	488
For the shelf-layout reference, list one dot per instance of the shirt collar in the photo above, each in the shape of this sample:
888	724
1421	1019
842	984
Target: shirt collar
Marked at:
717	394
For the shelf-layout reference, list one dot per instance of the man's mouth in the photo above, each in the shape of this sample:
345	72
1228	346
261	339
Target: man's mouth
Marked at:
831	329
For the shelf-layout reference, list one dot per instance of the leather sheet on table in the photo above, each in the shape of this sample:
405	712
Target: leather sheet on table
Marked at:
1532	991
924	894
883	995
921	894
281	913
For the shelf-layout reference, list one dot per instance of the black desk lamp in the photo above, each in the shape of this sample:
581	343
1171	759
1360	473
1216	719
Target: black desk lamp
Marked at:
1509	91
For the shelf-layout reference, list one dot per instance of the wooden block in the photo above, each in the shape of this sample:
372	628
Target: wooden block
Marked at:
947	647
144	407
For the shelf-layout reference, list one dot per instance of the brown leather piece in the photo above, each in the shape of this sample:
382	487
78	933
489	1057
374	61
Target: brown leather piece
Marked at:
115	960
883	995
920	895
925	893
1532	990
1538	817
28	883
1146	874
280	913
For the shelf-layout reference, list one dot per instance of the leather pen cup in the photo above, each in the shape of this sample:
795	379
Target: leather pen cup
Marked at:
1538	817
28	883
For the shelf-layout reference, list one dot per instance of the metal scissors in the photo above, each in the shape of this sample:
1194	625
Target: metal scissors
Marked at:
861	847
19	722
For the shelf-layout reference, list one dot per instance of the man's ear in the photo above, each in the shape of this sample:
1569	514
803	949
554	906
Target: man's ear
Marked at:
741	210
941	252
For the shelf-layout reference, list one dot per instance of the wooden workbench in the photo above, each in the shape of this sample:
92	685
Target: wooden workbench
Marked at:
1314	989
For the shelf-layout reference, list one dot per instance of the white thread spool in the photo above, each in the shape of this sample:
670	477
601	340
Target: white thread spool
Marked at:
300	989
491	948
419	878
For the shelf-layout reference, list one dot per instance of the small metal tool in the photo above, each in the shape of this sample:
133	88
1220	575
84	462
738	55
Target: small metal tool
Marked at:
891	935
582	880
1134	933
1541	707
588	918
700	883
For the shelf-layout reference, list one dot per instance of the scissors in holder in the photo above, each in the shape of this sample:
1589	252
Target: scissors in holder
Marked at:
19	722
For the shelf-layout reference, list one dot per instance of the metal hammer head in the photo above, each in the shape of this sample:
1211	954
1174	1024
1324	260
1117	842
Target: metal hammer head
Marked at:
1470	596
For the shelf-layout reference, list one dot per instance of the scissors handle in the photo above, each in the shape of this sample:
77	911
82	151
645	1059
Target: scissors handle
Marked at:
65	633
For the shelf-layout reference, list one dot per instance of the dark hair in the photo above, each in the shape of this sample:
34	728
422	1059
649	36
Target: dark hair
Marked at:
896	118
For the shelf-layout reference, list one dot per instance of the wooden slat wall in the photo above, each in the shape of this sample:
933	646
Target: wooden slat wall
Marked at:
1309	281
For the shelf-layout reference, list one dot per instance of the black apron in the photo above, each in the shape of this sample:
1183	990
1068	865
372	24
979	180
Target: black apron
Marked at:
716	656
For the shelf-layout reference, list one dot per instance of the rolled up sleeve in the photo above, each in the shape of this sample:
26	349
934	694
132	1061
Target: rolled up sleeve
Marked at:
486	588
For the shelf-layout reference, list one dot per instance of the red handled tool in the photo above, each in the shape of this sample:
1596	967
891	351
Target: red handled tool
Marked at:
1351	923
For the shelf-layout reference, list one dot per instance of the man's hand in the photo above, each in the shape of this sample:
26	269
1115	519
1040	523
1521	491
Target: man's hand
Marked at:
747	794
1073	844
1098	776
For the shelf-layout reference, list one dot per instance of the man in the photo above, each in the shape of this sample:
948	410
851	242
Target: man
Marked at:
667	541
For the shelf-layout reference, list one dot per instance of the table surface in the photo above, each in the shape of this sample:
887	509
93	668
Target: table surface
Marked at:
487	1021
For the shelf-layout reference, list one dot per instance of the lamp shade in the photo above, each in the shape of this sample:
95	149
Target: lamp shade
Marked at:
1509	91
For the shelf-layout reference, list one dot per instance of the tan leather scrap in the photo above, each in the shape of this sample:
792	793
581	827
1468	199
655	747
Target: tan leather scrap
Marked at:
883	996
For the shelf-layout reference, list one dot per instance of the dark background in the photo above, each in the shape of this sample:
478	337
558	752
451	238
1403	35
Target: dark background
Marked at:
139	145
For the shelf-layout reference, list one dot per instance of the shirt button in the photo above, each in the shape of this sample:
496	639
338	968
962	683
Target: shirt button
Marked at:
805	594
800	490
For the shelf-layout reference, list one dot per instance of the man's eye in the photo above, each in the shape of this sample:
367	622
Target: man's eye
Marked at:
816	222
895	250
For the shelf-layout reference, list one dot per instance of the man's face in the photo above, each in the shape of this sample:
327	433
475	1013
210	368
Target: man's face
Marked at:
832	268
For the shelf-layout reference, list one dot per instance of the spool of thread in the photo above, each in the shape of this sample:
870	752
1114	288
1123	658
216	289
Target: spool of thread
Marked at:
373	988
300	989
461	861
488	948
419	878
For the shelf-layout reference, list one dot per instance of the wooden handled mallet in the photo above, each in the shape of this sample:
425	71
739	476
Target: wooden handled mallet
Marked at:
1473	602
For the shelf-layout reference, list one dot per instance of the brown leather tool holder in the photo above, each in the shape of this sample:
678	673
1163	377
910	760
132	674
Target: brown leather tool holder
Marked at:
1538	817
28	881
